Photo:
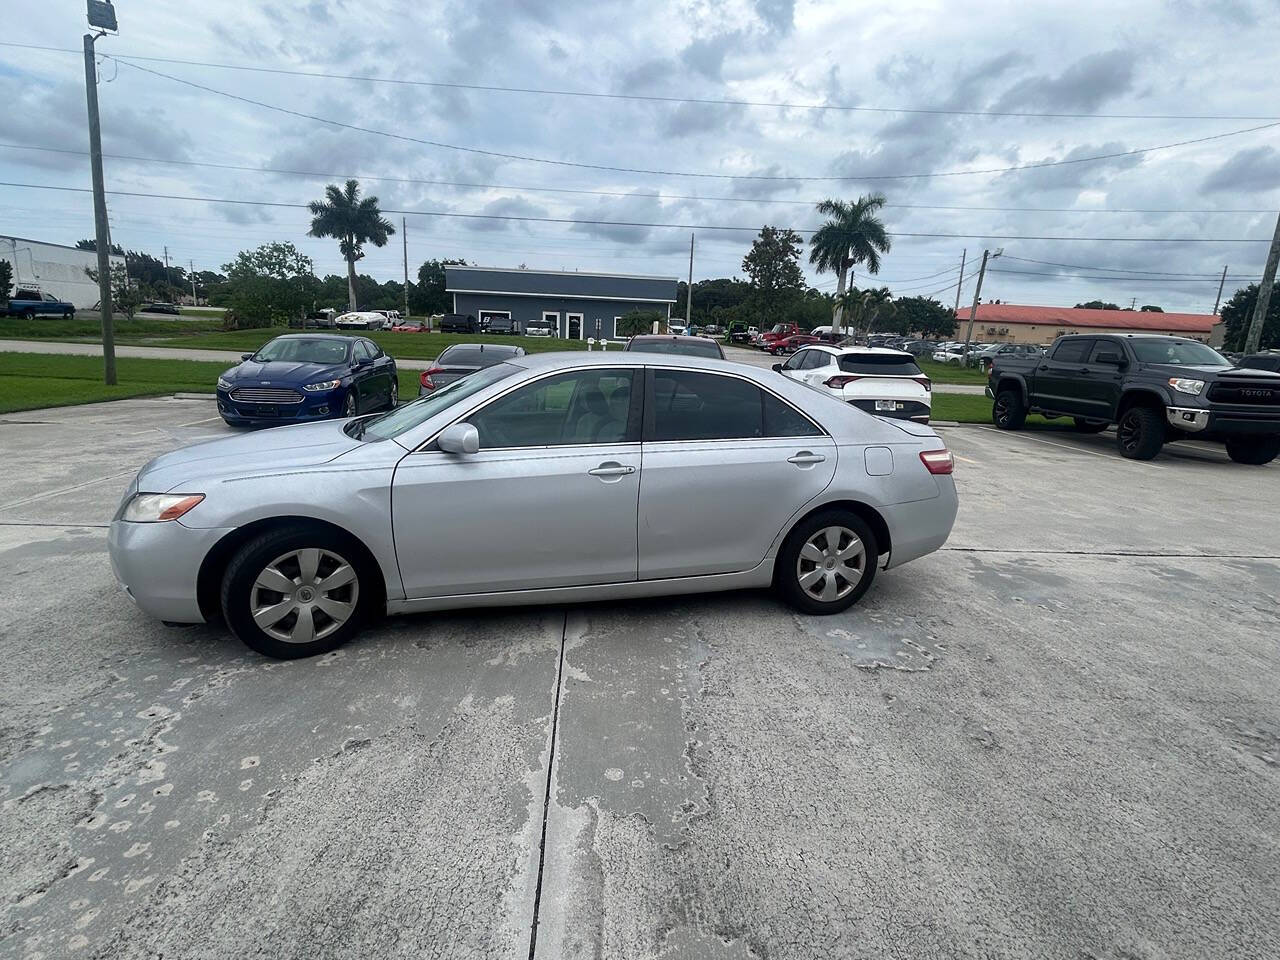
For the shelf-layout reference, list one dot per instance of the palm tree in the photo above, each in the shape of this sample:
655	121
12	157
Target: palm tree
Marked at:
878	303
353	221
853	234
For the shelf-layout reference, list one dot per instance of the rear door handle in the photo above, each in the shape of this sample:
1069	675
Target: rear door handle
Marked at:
612	469
804	458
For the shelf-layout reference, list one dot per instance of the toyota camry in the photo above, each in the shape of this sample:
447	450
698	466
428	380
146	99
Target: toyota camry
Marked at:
543	479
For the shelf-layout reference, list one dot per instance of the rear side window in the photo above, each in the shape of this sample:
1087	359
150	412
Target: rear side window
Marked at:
706	406
1071	351
883	364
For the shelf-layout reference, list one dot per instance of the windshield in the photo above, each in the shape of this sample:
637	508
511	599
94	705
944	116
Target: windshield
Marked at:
688	348
302	350
1179	352
397	421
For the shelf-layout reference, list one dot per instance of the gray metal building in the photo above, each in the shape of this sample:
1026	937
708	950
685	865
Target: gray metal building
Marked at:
579	305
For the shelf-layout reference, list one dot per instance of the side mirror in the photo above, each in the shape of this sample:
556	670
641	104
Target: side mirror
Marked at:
459	438
362	362
1114	359
777	367
246	356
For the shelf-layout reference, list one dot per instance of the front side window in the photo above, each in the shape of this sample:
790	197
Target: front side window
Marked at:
797	360
410	415
584	406
707	406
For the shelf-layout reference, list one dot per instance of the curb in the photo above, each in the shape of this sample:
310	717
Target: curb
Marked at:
195	396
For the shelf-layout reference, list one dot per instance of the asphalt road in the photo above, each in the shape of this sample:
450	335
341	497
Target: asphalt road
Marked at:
1057	738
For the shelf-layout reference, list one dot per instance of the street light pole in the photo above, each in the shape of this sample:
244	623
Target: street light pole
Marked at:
1264	295
102	233
977	296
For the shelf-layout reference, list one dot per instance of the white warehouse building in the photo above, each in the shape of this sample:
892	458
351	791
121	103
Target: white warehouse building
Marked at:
53	268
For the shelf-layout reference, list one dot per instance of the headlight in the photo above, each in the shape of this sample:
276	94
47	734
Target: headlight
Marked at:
1184	385
159	507
224	384
323	385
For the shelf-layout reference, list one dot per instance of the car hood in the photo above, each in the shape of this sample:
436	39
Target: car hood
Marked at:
283	373
1206	372
277	449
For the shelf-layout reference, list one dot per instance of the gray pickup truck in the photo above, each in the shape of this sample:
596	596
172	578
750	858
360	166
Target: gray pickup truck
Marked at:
33	303
1155	389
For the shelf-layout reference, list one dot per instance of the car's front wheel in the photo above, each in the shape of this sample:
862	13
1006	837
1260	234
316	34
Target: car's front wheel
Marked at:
395	394
827	562
1254	450
1140	433
349	405
296	592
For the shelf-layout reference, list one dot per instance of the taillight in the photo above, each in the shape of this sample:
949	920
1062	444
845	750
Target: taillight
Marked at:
924	382
938	461
424	378
838	381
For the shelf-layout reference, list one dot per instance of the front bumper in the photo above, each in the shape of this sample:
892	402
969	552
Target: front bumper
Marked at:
1210	422
158	565
313	406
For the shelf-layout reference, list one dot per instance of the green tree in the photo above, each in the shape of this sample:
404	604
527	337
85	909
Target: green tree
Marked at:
1151	308
1237	314
353	221
1097	305
852	235
773	264
924	316
633	323
6	280
270	284
427	297
126	296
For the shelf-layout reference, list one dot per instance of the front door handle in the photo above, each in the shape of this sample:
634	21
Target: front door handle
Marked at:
804	458
611	468
1044	366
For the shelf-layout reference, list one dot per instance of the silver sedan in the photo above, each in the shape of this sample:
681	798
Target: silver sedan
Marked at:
544	479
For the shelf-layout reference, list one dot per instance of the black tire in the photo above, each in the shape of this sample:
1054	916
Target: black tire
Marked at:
252	560
1254	450
71	314
1140	433
350	404
28	314
786	577
1090	426
1008	412
394	400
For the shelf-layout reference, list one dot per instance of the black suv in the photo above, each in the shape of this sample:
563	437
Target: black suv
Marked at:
459	323
1153	388
501	325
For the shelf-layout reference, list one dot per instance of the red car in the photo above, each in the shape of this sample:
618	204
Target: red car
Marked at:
792	344
410	326
779	331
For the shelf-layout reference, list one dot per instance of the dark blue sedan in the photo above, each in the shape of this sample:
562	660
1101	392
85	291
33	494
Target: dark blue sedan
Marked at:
298	378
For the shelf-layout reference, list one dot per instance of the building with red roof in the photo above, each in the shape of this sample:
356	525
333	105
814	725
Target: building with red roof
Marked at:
1015	323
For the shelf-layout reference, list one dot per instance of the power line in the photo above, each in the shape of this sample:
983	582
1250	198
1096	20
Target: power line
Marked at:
1079	276
1159	273
678	173
593	193
635	223
650	98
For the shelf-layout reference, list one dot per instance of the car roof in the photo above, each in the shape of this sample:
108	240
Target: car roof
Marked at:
859	351
632	358
499	348
316	336
669	336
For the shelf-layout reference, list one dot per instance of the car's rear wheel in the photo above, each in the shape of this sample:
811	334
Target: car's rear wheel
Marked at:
1090	426
827	562
296	592
1140	433
1008	412
1254	450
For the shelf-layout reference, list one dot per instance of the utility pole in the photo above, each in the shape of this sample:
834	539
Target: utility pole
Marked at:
104	19
960	281
168	276
192	265
1264	294
973	311
1218	299
404	236
688	302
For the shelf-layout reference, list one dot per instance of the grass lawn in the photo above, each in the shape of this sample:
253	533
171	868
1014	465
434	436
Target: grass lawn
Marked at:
950	372
87	326
30	381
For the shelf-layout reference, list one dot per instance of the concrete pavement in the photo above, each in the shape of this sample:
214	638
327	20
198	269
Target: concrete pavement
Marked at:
1057	738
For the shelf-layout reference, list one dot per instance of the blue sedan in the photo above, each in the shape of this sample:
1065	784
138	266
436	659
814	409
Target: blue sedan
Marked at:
299	378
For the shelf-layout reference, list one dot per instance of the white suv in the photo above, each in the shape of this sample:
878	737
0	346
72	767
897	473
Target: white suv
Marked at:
880	381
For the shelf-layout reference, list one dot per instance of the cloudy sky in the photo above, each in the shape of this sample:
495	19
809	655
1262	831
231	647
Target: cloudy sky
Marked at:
1096	77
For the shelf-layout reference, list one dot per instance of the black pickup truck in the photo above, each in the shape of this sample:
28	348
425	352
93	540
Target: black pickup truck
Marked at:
1153	388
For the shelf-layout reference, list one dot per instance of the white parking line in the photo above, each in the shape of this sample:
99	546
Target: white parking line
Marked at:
1064	446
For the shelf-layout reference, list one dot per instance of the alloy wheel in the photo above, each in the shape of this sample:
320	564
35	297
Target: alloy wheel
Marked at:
304	595
1002	410
395	394
349	406
831	563
1130	432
